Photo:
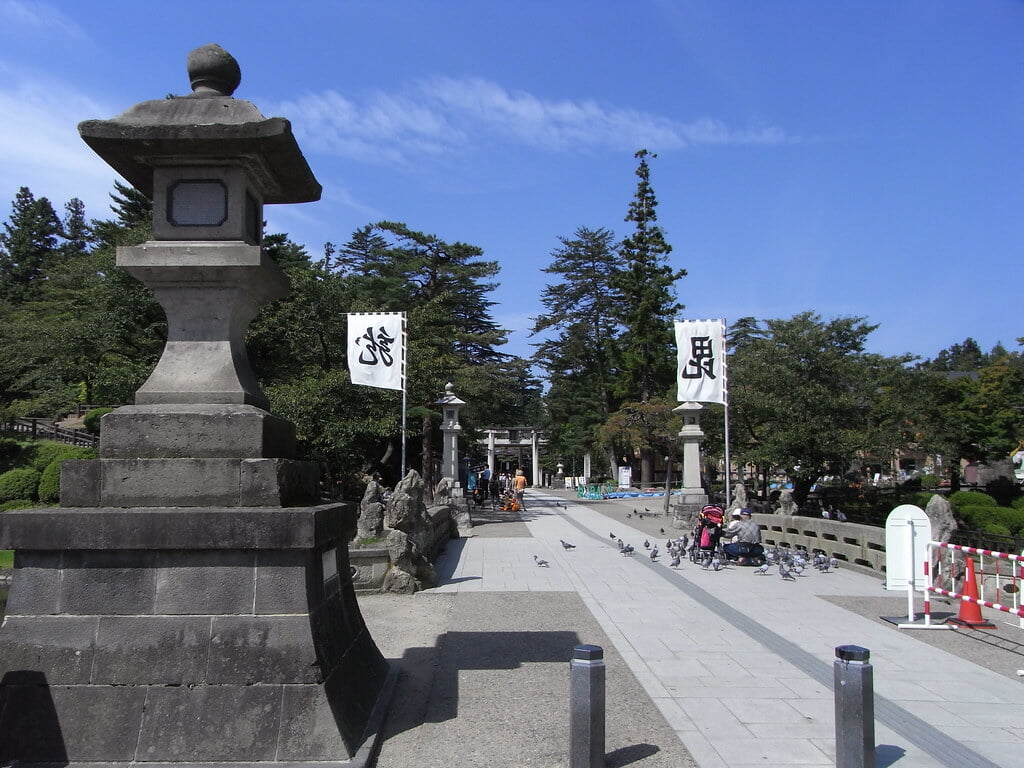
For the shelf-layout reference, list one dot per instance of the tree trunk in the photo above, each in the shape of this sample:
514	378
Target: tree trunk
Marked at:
647	468
427	465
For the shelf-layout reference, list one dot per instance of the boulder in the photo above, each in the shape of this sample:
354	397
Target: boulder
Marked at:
371	511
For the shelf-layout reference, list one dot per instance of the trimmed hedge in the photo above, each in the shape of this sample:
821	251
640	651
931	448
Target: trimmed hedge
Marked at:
972	499
49	483
19	484
91	420
9	448
993	519
17	504
40	455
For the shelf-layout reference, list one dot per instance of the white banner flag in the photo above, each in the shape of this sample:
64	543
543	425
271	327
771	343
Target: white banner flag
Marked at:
376	349
701	369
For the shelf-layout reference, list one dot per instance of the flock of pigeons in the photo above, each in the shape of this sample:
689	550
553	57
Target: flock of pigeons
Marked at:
790	563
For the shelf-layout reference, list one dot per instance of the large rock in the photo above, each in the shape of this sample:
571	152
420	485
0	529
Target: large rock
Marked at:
411	537
371	511
940	513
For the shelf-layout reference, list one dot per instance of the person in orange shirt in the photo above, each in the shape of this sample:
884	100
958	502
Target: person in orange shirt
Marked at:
519	487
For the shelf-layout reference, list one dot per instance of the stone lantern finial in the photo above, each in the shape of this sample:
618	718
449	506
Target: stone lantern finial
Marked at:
212	71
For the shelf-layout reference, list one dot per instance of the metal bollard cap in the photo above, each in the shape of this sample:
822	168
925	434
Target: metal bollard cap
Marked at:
588	652
852	653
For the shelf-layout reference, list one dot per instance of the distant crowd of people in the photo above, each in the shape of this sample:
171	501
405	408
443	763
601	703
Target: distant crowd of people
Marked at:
482	485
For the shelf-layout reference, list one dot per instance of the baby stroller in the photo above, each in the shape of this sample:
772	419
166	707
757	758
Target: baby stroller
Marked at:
509	503
706	533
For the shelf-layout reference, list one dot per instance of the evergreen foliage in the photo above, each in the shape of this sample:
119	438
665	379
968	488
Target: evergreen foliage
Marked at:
19	484
49	483
644	287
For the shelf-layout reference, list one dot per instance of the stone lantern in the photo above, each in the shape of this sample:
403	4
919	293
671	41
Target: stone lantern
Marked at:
191	600
692	496
450	428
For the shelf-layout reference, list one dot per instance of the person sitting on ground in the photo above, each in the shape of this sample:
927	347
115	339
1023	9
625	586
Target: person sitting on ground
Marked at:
731	533
745	546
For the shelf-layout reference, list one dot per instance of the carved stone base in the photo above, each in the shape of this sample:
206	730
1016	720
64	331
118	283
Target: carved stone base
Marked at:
185	636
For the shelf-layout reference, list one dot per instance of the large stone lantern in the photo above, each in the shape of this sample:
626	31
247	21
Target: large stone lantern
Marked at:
191	600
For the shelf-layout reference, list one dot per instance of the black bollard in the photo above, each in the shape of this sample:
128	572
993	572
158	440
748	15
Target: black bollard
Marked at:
586	707
855	708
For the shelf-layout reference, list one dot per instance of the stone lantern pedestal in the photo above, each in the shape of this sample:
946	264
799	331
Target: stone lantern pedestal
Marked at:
191	600
692	496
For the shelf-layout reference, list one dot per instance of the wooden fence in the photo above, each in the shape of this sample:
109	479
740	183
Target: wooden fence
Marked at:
45	429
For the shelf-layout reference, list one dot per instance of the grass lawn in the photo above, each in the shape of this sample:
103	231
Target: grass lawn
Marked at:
6	558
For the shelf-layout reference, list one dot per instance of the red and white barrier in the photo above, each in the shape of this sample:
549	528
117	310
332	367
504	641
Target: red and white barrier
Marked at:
1015	576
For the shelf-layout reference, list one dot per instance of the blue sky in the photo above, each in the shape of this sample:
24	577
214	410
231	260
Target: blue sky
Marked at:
861	158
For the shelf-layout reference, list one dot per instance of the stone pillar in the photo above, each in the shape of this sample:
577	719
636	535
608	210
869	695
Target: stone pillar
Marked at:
450	428
191	601
538	479
491	451
586	467
692	496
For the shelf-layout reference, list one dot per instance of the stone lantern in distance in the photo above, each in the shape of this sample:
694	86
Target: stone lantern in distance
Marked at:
450	428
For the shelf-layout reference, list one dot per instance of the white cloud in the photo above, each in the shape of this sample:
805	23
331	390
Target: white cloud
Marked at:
32	17
40	147
442	115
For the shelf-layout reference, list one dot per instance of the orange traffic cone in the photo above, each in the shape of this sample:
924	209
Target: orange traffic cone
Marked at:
970	613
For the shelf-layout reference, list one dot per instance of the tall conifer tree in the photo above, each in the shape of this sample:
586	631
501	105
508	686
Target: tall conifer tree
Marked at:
645	288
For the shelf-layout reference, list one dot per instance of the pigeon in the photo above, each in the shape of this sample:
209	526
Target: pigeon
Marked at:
705	562
641	516
647	510
784	572
541	563
647	544
628	515
628	549
833	563
621	545
674	562
762	569
567	545
613	536
716	563
662	531
654	554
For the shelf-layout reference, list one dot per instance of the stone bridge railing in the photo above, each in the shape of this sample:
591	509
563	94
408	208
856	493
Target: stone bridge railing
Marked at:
859	545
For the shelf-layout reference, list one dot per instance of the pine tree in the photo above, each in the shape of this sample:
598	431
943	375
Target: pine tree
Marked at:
76	230
645	289
28	245
580	358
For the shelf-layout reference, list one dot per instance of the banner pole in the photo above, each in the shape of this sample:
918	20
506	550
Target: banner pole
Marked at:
405	392
725	398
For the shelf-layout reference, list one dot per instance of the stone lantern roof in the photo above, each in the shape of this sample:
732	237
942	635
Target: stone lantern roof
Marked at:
207	127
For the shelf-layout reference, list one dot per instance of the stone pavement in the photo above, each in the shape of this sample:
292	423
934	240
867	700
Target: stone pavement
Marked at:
726	669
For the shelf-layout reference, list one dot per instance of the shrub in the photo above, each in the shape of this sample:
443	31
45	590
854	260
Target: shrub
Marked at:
19	484
17	504
49	483
996	529
9	448
929	481
920	499
91	420
1018	503
971	499
41	454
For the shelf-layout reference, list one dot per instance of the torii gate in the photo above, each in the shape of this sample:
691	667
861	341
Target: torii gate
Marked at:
514	439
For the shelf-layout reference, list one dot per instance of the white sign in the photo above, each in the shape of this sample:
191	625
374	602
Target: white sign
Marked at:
907	533
376	349
701	367
625	477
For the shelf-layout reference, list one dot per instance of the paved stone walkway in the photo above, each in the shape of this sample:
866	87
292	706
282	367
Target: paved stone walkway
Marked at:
739	664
